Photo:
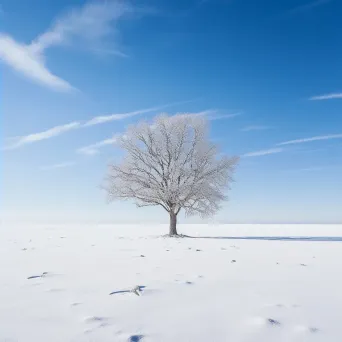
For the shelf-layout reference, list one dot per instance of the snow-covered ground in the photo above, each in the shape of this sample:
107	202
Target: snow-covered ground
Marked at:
263	287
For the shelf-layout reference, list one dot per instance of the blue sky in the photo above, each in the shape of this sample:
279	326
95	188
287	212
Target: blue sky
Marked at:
75	73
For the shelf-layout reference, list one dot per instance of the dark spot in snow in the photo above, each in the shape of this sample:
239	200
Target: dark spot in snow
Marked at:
167	250
189	248
33	277
303	265
38	276
95	319
104	324
136	290
135	338
142	256
24	249
223	249
273	322
277	263
313	330
189	282
198	250
121	291
76	304
233	261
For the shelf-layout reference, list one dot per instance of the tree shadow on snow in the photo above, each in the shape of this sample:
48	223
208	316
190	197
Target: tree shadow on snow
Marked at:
274	238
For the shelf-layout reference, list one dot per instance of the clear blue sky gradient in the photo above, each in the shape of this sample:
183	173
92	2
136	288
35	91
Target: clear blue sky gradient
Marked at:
263	59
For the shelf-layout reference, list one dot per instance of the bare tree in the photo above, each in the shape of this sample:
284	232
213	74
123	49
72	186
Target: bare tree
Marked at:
171	164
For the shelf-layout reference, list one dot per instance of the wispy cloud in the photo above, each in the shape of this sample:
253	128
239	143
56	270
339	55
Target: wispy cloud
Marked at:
263	152
57	166
86	26
316	138
21	59
58	130
326	97
35	137
115	117
121	116
254	128
309	6
224	116
209	114
205	113
94	148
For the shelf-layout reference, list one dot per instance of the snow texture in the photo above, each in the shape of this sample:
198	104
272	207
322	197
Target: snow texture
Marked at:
93	284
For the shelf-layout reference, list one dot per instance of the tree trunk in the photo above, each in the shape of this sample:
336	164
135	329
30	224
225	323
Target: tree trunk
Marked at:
173	224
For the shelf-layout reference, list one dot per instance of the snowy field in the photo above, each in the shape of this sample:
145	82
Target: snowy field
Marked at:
236	283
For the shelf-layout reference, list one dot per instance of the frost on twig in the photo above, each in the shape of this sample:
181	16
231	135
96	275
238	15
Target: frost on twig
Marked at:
171	164
136	290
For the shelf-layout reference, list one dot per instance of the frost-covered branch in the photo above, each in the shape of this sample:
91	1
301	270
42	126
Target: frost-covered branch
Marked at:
171	163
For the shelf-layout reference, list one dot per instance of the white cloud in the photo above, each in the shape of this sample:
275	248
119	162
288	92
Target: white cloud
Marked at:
86	25
326	97
20	58
16	142
209	114
254	128
52	132
316	138
94	148
224	116
121	116
58	166
202	113
263	152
